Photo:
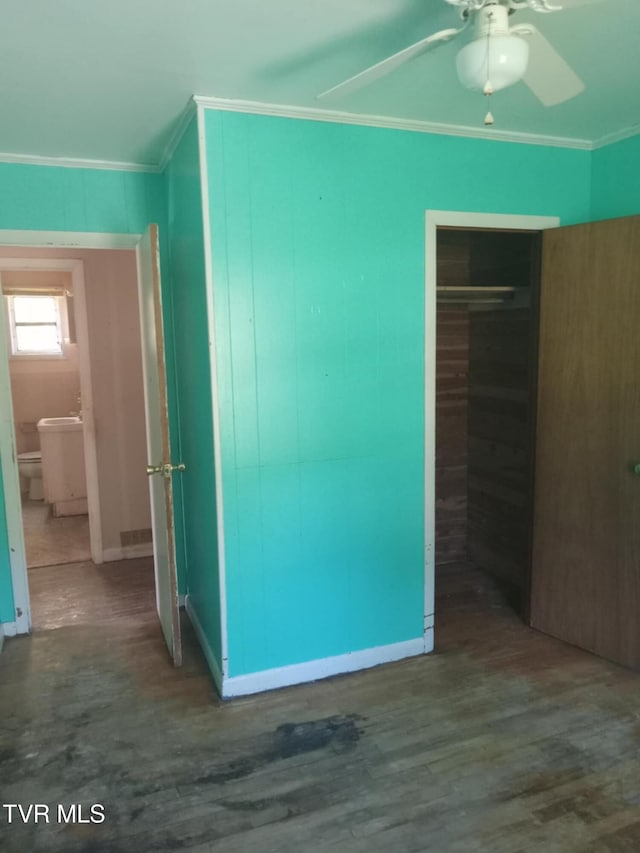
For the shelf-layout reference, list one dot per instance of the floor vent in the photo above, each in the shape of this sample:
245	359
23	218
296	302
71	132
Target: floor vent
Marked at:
135	537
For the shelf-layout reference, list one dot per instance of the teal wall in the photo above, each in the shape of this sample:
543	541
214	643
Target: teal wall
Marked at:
615	180
186	247
6	591
318	241
317	233
46	198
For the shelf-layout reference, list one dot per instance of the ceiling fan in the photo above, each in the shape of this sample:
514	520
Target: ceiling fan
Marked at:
497	56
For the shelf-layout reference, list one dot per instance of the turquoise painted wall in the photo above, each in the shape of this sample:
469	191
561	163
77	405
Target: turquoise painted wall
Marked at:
6	591
186	246
46	198
615	180
317	233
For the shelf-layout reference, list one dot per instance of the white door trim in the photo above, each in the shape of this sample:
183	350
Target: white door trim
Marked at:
433	220
11	480
68	240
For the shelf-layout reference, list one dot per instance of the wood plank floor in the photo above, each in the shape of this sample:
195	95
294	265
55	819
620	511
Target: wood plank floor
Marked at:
502	741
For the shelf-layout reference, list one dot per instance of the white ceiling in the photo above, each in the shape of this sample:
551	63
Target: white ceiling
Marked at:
109	80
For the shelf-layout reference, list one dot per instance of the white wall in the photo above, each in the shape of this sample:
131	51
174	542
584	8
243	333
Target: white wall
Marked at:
118	393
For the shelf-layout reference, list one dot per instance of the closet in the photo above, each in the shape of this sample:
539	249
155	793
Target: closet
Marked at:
487	286
538	371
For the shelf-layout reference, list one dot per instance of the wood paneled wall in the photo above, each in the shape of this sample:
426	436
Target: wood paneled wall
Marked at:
483	407
452	359
499	443
452	368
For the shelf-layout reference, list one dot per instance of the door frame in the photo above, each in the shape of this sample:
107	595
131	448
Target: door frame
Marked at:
11	480
435	219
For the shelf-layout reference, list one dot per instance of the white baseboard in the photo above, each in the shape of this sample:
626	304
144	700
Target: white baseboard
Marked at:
299	673
76	506
8	629
128	552
211	659
285	676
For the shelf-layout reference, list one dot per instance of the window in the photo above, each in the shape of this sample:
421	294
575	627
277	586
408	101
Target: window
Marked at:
36	325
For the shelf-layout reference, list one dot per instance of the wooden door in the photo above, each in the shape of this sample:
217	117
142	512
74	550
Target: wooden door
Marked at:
159	466
586	552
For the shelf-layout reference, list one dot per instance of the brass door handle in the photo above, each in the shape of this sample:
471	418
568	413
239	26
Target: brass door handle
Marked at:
166	469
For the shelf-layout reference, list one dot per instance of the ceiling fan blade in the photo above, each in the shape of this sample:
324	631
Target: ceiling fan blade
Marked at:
386	66
575	4
550	78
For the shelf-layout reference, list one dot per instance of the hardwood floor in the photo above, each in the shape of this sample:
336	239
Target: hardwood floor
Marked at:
118	594
504	740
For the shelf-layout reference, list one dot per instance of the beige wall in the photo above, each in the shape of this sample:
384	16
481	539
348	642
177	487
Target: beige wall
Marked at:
118	391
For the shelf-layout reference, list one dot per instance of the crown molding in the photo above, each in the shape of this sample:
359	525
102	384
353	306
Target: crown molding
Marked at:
76	163
313	114
616	136
185	117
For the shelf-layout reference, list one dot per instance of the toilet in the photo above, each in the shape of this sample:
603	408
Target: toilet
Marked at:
30	467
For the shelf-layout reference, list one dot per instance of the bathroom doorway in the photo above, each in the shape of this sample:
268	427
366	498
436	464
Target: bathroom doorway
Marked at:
44	357
125	417
46	349
74	357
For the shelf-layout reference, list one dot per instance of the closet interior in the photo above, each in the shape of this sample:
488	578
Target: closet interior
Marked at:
487	286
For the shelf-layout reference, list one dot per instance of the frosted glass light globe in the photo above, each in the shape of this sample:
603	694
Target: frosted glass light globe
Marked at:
501	59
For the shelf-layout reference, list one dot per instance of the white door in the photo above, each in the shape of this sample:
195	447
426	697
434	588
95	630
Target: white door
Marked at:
159	465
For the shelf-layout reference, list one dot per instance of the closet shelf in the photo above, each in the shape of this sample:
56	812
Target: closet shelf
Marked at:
478	295
472	289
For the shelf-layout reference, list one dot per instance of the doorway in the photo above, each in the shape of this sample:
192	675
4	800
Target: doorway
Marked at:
481	312
134	334
74	358
485	409
44	366
119	400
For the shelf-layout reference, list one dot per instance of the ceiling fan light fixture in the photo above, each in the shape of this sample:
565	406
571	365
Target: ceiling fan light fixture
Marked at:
501	59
